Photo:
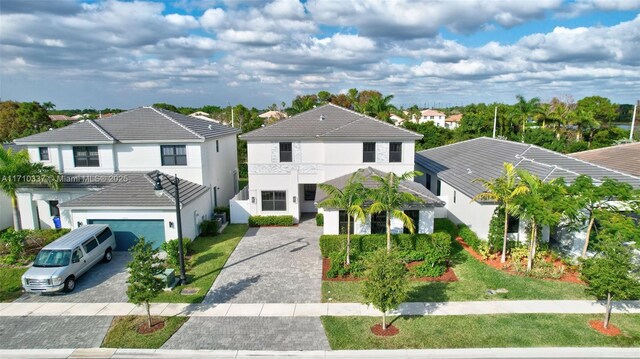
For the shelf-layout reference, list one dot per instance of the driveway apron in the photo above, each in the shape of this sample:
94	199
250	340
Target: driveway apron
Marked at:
53	332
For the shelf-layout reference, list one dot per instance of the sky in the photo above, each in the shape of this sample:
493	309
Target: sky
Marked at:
125	54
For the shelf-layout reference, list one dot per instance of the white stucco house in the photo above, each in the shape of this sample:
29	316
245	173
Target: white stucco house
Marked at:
450	171
453	121
434	116
288	159
109	168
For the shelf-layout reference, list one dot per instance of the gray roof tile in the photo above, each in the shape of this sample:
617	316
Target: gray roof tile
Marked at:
624	158
80	132
459	164
12	146
331	122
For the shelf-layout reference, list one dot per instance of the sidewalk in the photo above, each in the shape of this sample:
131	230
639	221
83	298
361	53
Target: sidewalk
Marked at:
482	353
314	309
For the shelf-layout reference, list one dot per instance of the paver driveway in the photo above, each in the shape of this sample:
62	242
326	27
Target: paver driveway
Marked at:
103	283
272	265
53	332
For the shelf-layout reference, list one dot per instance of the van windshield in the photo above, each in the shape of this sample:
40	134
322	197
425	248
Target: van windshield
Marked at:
52	258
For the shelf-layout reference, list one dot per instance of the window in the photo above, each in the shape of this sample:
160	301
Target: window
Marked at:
86	156
104	235
342	223
285	152
54	211
174	155
513	225
90	245
427	181
274	201
217	146
379	223
77	255
369	152
395	152
415	216
310	192
44	153
438	188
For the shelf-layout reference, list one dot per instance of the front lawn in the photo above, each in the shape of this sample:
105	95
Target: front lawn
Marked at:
10	284
123	332
210	255
475	278
482	331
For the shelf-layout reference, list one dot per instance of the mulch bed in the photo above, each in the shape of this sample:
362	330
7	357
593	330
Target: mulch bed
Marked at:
598	325
145	329
448	276
389	332
569	277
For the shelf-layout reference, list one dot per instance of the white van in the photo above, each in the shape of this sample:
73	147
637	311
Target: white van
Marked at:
60	263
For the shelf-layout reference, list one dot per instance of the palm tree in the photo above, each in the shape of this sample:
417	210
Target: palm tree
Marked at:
503	190
389	199
380	107
15	169
351	199
584	120
526	109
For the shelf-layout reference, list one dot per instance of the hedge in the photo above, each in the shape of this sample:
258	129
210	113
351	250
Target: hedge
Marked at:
445	225
209	227
319	219
20	247
257	221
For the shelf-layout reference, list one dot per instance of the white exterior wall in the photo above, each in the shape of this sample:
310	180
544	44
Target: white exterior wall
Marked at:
35	201
105	154
437	120
220	168
193	214
147	158
331	222
6	213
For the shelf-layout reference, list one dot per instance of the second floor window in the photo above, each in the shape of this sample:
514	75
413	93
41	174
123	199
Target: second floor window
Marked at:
369	152
174	155
86	156
285	152
44	153
395	152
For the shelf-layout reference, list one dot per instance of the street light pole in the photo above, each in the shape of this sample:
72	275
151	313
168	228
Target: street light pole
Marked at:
159	190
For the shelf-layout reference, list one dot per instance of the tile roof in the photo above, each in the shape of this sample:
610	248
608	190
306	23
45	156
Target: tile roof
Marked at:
143	124
137	191
330	122
274	114
367	174
624	158
459	164
454	118
61	118
430	112
12	146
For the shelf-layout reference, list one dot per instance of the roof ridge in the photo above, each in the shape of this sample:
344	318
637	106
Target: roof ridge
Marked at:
177	123
604	148
373	118
451	144
102	130
339	127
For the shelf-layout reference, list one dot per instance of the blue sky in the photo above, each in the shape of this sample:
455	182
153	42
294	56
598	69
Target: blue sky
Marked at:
111	53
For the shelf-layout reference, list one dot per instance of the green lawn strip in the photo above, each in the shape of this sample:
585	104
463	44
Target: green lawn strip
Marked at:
211	254
123	332
482	331
10	283
475	278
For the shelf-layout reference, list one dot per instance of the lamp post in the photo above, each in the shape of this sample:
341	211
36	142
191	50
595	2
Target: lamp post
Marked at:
159	190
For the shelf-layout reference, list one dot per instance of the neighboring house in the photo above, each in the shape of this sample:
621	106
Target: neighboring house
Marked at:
397	120
452	122
204	116
6	211
56	118
287	160
624	158
434	116
109	171
450	171
273	115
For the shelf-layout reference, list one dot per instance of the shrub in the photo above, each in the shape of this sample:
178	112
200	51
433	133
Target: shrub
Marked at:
437	250
243	170
21	246
336	267
469	237
445	225
428	270
209	227
283	221
172	249
223	209
319	219
411	256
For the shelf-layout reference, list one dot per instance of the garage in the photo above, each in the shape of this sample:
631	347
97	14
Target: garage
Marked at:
127	231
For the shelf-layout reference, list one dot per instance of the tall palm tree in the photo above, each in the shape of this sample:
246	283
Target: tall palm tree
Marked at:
503	190
15	170
380	107
583	120
388	198
526	109
350	199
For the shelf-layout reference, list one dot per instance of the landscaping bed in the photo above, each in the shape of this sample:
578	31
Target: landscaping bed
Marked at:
481	331
133	332
448	276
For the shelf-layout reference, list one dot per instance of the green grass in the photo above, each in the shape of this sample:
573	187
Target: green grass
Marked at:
123	332
482	331
475	278
211	253
10	283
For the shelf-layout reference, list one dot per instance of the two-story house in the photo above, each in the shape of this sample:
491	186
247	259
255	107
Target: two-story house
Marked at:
110	167
434	116
288	159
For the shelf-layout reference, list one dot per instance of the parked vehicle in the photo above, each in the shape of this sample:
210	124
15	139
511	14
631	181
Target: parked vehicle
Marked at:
59	264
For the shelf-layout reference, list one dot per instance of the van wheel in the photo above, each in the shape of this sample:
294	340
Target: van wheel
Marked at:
69	284
108	255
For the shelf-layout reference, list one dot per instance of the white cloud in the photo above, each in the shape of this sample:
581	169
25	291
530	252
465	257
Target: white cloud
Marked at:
186	21
213	19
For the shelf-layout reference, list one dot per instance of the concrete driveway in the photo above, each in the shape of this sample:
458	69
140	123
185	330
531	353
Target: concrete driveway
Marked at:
104	282
272	265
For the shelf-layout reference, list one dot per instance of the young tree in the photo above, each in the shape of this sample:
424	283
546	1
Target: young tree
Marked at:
350	199
591	198
503	190
388	198
385	285
608	273
15	169
144	284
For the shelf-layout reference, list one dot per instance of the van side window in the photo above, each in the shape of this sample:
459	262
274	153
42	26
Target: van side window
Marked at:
77	255
104	235
90	245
